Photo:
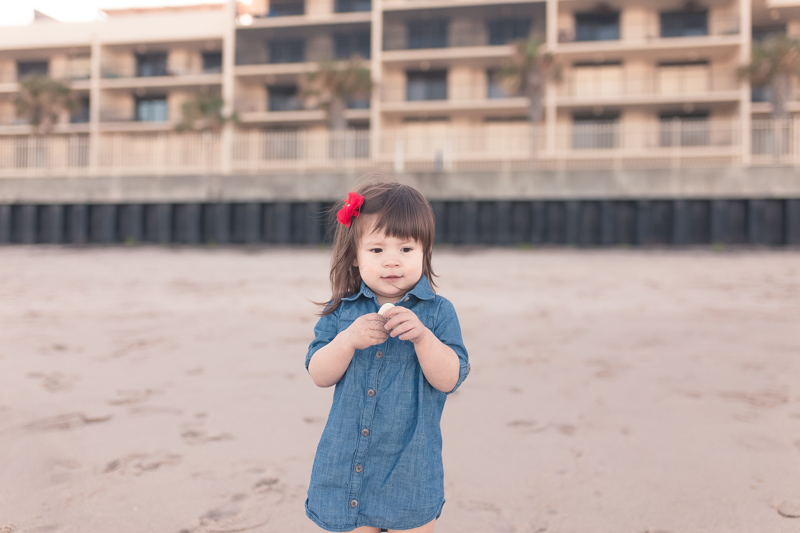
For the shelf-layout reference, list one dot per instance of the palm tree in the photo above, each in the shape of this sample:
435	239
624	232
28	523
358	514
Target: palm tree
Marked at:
332	86
526	74
773	64
204	113
41	100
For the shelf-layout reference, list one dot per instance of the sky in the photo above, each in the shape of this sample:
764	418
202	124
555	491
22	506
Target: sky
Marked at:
15	12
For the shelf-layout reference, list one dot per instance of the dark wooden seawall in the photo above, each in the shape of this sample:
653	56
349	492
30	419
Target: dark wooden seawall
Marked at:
676	222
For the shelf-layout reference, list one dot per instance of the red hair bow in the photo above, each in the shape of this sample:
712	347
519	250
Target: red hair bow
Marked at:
351	209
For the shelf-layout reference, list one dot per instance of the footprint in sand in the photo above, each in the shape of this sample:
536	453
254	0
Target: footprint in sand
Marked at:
132	397
789	508
66	421
528	426
139	463
242	511
54	381
765	399
194	433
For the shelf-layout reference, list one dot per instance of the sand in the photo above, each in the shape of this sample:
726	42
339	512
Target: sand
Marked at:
163	390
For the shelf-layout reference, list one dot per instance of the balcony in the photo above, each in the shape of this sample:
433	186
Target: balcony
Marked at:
614	86
292	13
122	120
407	5
76	79
427	93
288	110
720	30
117	78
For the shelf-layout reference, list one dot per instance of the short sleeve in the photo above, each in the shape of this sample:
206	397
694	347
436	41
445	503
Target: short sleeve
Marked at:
448	330
324	332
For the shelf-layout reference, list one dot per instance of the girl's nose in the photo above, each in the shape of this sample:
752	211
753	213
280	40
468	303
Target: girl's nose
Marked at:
391	260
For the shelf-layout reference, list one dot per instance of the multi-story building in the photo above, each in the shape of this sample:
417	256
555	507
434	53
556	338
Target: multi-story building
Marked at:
640	79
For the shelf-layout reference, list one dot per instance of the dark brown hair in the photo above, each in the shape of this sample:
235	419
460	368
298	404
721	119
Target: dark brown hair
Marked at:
399	211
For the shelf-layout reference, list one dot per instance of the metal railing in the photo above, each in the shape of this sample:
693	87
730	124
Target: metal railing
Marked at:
424	146
600	82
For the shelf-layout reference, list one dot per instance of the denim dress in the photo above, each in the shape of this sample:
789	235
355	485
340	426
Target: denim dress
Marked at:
379	461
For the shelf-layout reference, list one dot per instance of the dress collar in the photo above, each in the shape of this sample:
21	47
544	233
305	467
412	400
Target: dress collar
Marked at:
422	290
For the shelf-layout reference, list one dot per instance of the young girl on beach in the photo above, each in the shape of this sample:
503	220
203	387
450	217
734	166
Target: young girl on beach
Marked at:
379	462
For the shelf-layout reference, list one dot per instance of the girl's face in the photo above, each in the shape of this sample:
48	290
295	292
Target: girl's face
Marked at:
389	266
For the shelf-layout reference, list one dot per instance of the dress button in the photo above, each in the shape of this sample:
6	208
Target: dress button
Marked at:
379	355
365	432
353	503
358	468
370	392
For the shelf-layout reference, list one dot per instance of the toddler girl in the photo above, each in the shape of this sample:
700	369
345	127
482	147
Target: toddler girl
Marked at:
379	461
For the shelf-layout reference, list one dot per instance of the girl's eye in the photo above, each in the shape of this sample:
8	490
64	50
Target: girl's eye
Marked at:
407	249
376	250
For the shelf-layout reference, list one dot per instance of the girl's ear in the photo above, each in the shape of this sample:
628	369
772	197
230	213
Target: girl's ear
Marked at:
355	262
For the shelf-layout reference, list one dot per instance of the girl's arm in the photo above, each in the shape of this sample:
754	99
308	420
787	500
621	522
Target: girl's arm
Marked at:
329	363
439	362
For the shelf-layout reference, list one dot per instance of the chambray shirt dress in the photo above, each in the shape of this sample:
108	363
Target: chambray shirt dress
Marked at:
379	461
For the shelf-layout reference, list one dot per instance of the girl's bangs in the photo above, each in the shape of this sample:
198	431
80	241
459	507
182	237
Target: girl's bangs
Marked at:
404	220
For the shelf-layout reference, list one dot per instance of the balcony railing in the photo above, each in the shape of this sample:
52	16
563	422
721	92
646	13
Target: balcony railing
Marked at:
718	25
114	72
414	147
675	82
476	36
64	76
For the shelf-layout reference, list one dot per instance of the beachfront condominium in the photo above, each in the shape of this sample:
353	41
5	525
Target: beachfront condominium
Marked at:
626	65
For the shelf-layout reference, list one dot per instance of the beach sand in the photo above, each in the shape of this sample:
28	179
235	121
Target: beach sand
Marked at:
163	390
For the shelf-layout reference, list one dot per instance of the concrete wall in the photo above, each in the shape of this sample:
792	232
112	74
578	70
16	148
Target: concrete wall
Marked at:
589	185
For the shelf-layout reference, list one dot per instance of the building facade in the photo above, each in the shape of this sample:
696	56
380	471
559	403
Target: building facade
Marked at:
641	81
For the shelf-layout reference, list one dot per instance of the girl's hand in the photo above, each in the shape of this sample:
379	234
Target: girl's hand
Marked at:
366	331
404	324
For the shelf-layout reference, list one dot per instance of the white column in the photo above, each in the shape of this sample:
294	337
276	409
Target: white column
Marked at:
745	104
376	68
94	107
228	83
551	16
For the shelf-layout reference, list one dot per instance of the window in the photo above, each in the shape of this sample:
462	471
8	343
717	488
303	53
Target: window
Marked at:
427	33
79	68
358	103
151	109
507	30
154	64
283	98
426	85
287	51
592	132
684	23
760	93
678	128
764	33
81	113
495	89
212	62
286	8
597	26
346	45
31	68
348	6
